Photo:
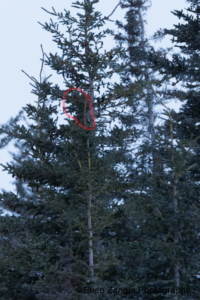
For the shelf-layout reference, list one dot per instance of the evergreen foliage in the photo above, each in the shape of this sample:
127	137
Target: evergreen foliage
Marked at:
158	234
94	209
52	249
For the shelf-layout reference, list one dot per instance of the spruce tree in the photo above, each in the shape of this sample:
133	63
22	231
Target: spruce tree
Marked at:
53	248
136	91
184	69
159	230
169	252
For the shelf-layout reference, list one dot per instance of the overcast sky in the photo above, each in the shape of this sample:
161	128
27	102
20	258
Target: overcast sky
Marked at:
21	37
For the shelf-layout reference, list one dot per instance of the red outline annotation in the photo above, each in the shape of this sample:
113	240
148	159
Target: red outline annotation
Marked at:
91	108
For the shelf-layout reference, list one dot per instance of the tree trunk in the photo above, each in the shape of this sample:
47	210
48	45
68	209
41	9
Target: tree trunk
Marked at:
91	260
149	100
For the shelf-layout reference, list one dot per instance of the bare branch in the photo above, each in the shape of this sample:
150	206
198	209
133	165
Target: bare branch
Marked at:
113	10
31	78
192	166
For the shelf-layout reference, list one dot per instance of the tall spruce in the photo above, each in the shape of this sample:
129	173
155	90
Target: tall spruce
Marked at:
137	80
159	230
169	251
135	91
52	249
184	69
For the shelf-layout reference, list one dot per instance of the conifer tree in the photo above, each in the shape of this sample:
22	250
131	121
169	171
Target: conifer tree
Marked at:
159	229
134	92
52	249
184	69
170	228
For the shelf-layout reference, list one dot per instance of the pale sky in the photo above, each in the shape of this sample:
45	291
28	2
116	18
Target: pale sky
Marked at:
21	37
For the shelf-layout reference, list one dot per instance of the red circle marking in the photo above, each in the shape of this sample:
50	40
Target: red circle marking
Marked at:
91	108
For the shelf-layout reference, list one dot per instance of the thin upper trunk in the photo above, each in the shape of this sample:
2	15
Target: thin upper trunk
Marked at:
175	201
91	260
176	241
149	92
90	230
149	101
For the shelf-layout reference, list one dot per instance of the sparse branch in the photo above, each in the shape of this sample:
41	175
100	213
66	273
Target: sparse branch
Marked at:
31	78
106	18
192	166
113	10
54	14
